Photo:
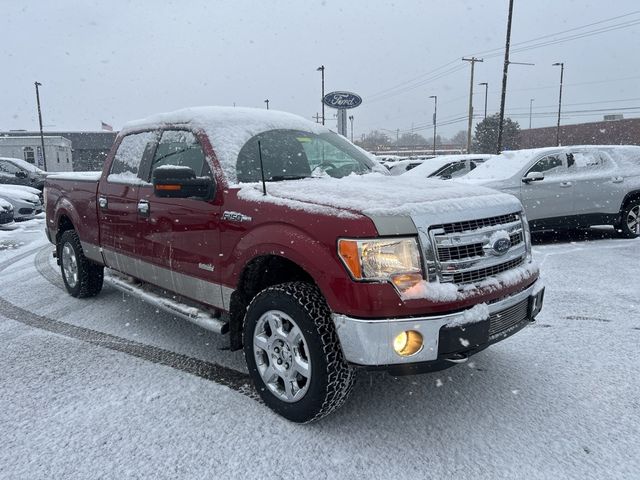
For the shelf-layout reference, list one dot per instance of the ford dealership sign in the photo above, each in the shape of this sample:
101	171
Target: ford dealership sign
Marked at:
342	100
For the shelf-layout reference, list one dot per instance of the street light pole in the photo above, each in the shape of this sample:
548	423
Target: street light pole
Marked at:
351	120
321	69
473	61
435	120
530	110
486	91
267	102
561	65
44	155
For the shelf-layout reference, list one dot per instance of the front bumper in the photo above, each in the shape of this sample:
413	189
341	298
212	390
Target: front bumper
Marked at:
368	342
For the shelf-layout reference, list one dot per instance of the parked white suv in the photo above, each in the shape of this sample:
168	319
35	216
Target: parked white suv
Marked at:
570	187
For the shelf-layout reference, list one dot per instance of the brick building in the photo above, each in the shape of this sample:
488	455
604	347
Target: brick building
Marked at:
611	132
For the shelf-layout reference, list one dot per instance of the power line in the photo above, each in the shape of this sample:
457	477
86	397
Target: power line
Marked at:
563	32
433	75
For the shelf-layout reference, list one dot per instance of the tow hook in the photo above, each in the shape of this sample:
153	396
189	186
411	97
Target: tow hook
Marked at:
457	358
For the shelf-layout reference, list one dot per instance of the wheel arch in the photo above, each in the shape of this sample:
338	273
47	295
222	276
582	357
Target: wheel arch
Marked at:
261	272
632	195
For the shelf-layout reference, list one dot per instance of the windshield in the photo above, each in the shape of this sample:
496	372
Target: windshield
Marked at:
502	166
295	154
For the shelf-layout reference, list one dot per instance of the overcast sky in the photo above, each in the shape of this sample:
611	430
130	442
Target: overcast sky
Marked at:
114	61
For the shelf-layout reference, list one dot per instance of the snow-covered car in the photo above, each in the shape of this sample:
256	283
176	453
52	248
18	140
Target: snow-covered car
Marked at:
6	214
569	187
446	167
15	171
26	204
402	166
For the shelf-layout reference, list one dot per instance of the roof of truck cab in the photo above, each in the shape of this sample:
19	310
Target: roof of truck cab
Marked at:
228	128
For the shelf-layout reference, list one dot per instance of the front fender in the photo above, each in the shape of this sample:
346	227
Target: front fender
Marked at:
318	259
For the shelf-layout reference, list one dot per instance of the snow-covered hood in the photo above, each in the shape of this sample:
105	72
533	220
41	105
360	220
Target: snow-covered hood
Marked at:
376	195
9	193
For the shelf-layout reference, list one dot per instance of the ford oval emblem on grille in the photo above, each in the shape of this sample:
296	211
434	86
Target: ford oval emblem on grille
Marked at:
501	246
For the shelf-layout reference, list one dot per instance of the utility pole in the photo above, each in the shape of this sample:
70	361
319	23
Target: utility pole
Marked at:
267	102
397	135
435	120
473	61
351	120
486	91
505	71
321	69
561	65
530	110
44	155
317	117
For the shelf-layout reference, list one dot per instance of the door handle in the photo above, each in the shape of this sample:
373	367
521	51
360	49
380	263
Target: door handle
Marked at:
566	184
143	207
617	179
102	202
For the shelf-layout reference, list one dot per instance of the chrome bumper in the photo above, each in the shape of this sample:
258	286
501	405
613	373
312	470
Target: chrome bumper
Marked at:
370	342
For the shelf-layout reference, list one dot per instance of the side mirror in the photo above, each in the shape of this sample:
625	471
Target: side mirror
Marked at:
170	181
21	174
533	177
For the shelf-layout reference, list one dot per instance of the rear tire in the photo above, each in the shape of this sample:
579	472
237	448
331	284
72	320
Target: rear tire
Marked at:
82	277
629	226
293	353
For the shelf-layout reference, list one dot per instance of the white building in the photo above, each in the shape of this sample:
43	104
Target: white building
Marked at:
29	148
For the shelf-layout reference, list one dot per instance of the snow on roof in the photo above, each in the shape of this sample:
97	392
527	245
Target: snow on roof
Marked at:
377	194
22	164
228	128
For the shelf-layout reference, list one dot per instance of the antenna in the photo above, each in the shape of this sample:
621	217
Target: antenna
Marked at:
264	185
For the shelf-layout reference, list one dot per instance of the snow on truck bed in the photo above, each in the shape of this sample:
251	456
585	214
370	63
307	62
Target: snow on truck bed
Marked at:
76	176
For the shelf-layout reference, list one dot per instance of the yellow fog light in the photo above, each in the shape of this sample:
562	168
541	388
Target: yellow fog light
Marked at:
408	343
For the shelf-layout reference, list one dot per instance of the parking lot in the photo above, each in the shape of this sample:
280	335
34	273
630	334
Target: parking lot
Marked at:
109	387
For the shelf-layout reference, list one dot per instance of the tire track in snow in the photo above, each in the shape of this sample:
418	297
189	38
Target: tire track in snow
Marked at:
219	374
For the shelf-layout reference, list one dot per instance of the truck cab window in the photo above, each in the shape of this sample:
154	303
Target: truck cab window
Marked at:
181	148
126	162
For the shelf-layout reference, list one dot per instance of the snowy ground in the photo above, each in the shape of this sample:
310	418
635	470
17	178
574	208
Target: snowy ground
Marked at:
110	388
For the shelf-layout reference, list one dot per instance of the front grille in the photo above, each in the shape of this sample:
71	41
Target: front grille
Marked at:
25	211
473	276
470	225
464	252
508	318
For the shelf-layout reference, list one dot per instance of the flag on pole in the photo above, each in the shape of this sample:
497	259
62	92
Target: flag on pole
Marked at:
107	127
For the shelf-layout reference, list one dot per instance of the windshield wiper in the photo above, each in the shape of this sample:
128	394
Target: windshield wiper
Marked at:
279	178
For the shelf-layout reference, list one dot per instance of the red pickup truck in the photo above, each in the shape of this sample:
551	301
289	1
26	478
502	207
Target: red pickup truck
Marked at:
297	244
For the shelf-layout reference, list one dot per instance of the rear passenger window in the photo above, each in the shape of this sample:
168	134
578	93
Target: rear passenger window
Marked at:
180	148
126	163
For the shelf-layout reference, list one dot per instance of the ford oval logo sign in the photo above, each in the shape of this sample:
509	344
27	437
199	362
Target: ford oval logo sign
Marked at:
342	100
501	246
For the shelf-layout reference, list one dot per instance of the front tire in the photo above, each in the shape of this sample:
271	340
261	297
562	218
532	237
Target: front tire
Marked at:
81	276
629	226
293	353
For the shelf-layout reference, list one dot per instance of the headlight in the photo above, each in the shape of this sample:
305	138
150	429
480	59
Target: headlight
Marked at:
395	260
527	235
